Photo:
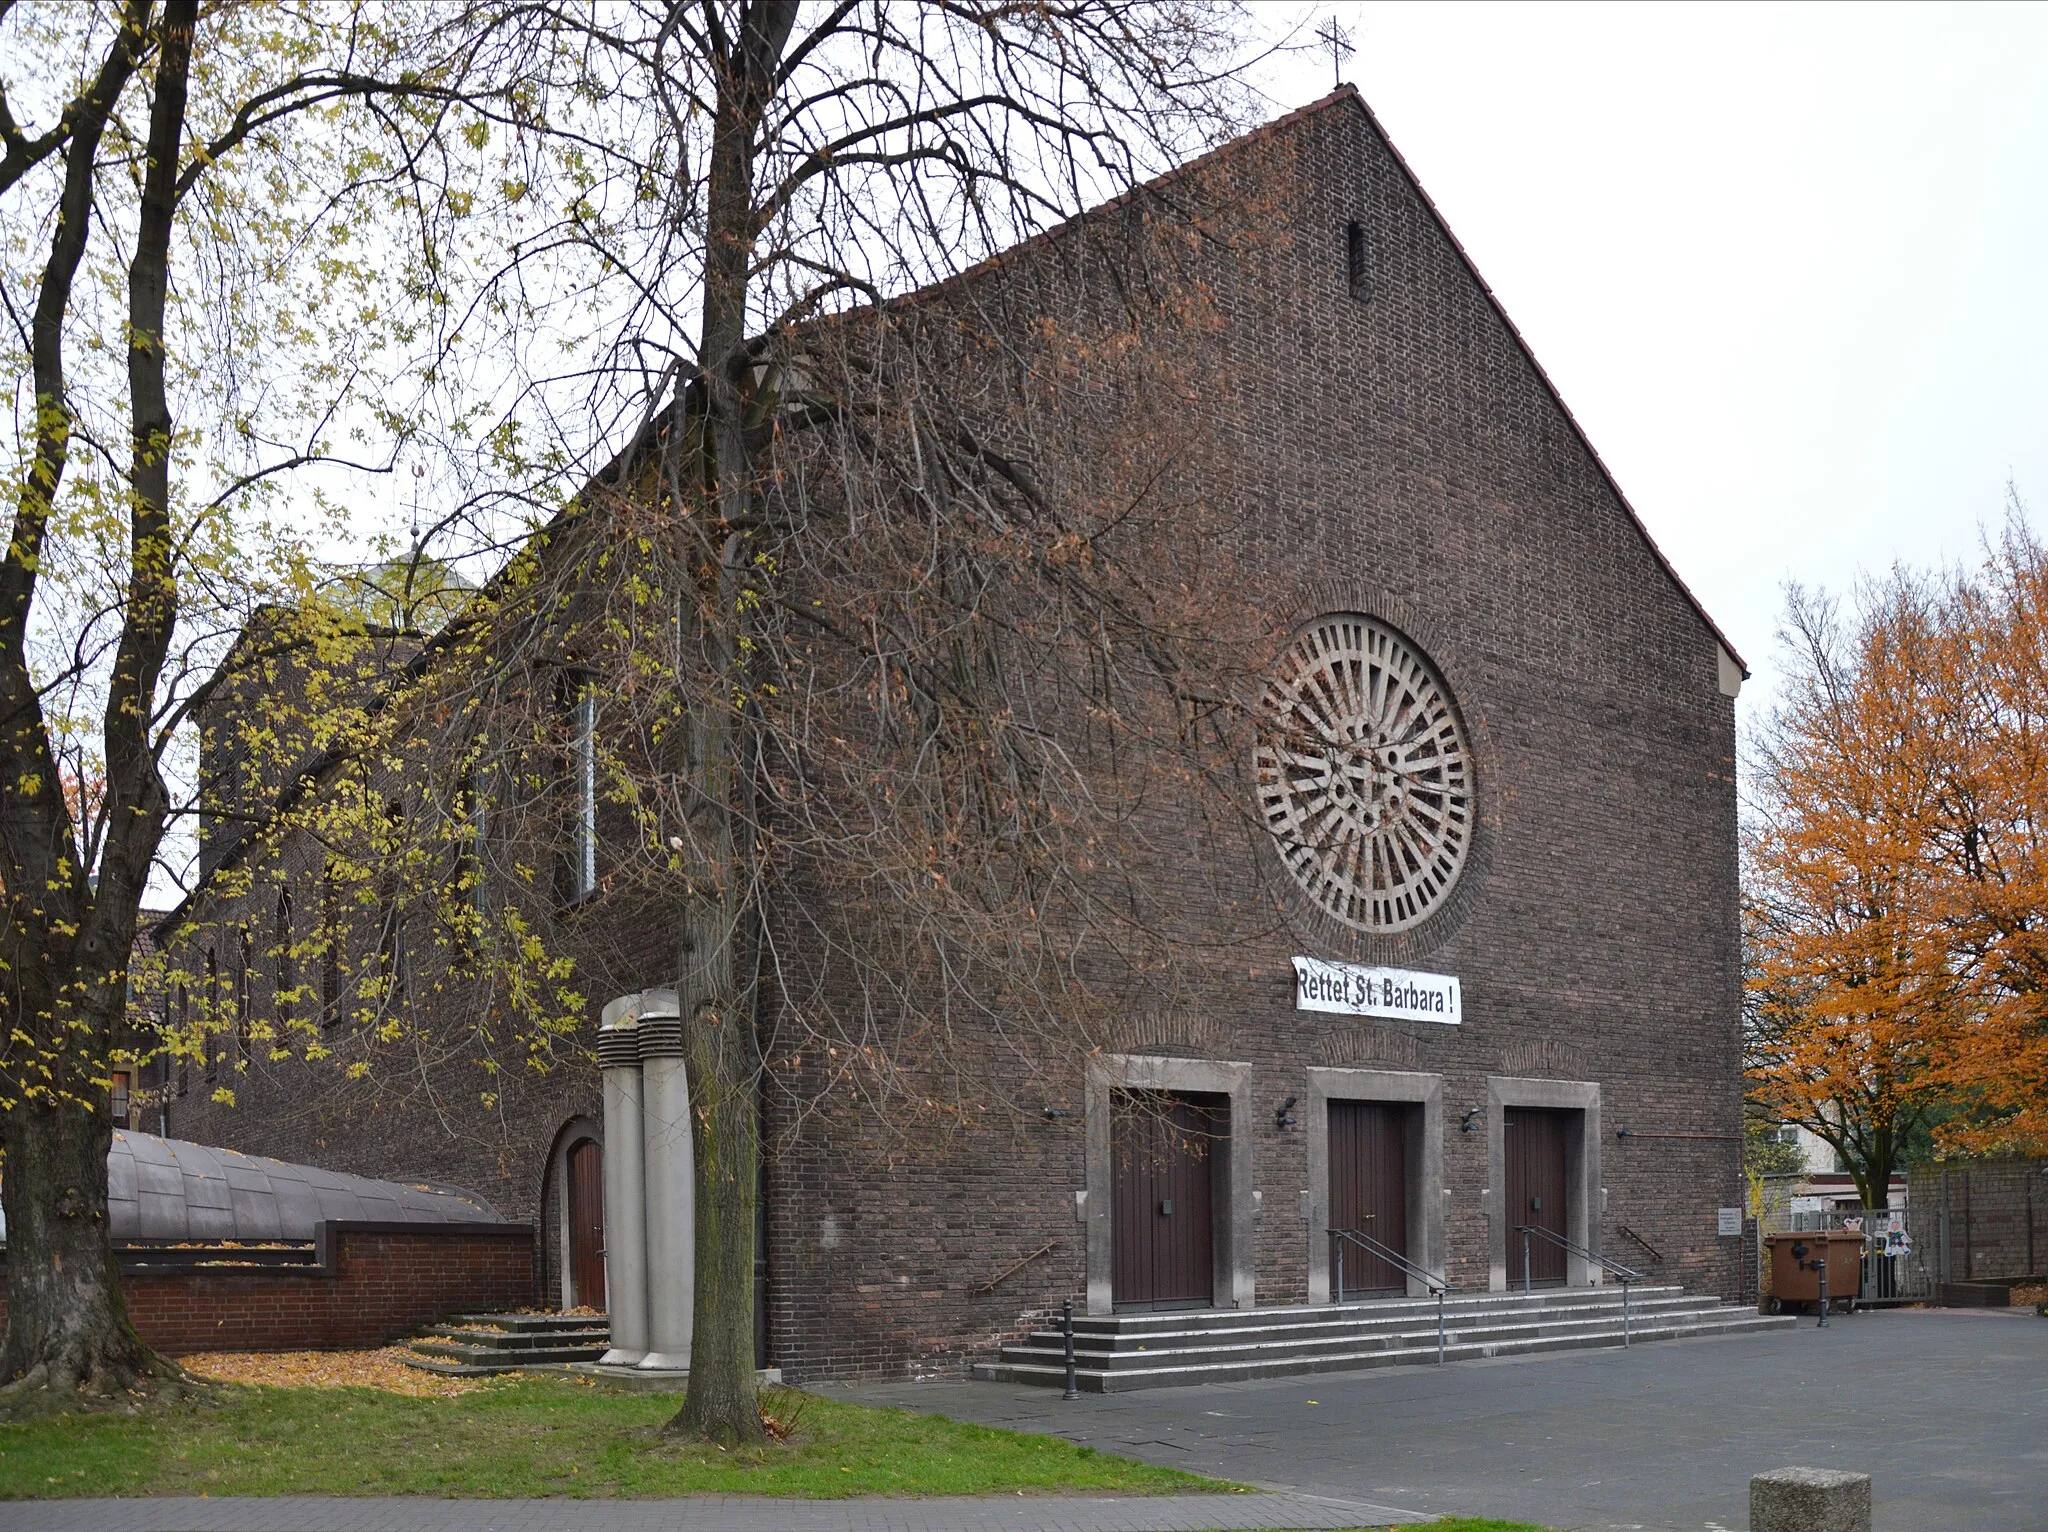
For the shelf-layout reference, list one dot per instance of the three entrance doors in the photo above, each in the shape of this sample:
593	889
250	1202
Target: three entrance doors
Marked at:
1369	1193
1166	1150
1169	1149
1536	1142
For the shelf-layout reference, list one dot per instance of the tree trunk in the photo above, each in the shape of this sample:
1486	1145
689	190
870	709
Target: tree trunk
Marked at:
721	1050
718	995
719	1046
67	1321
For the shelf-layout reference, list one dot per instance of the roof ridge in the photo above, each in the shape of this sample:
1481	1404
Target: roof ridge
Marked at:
1542	376
1347	92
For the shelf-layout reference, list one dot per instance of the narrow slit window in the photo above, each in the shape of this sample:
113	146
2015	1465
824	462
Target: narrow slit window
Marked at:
244	997
477	835
209	1023
330	956
583	837
1354	260
184	1040
285	977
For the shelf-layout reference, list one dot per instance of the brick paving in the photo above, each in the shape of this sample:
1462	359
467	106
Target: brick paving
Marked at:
1151	1513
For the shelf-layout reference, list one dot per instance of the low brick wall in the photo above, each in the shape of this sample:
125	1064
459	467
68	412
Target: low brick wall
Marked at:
369	1284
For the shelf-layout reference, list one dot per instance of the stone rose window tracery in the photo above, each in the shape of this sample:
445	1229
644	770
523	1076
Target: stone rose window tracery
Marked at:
1364	774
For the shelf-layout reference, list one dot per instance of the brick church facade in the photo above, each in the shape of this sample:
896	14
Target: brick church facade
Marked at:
1504	990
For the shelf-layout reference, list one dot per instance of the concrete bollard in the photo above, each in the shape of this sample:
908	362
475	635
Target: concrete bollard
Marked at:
1809	1500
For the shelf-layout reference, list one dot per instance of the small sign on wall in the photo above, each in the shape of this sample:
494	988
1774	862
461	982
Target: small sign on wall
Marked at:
1351	989
1729	1222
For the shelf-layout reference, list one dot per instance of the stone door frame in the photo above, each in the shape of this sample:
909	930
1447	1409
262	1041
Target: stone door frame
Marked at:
1236	1203
1425	1164
1582	1171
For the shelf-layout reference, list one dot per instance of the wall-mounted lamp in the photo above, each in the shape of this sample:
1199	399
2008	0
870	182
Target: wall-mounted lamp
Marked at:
1466	1124
1055	1113
1284	1116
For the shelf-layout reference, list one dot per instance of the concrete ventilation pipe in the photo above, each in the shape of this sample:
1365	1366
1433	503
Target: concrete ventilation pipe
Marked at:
625	1185
670	1183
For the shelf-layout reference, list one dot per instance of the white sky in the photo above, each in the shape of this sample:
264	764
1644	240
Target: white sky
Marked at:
1787	264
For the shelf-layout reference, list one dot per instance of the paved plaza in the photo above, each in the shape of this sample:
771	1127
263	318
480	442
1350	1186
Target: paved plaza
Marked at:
1947	1410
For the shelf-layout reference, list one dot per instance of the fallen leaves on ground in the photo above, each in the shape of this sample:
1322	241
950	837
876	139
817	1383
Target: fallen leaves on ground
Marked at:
2030	1295
327	1369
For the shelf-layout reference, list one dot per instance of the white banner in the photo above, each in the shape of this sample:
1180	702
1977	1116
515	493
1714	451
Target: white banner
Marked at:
1352	990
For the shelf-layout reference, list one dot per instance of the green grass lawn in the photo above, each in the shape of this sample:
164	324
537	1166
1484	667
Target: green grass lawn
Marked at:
537	1436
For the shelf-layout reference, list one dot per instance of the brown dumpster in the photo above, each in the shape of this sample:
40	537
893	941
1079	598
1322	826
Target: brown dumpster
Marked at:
1795	1267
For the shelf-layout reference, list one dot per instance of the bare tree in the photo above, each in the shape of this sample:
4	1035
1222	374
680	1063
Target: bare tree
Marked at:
854	751
908	662
844	149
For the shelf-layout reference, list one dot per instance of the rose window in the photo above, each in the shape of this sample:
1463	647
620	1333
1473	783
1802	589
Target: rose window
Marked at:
1364	774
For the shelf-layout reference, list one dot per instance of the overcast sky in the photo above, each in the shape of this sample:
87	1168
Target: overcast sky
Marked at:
1788	265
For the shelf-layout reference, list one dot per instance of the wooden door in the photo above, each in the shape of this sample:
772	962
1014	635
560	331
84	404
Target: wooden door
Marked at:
586	1225
1369	1191
1536	1140
1162	1208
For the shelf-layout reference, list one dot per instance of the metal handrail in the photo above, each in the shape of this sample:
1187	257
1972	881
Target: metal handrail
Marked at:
1655	1253
1372	1246
1408	1268
1628	1275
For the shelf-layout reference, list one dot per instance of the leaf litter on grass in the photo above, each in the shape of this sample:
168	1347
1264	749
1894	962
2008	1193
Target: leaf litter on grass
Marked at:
382	1369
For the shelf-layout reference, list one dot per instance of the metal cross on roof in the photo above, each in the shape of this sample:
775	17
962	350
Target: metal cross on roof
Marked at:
1338	41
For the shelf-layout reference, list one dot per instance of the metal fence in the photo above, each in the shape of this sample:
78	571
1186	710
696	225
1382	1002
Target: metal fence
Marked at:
1898	1267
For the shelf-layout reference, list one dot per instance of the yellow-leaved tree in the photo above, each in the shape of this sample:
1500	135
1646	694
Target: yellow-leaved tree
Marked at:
192	314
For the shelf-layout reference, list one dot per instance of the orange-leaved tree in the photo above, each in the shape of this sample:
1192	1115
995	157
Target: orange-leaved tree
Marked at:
1853	1006
1991	849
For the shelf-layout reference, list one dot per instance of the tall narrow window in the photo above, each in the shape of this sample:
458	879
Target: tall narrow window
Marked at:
391	957
583	835
118	1096
475	835
244	997
391	912
330	956
284	967
209	1017
184	1040
1354	260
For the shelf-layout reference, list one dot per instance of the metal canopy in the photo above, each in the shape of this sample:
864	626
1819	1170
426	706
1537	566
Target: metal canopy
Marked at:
167	1189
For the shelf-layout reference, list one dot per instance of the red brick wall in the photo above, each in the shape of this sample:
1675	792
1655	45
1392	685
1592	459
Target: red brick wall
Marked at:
371	1284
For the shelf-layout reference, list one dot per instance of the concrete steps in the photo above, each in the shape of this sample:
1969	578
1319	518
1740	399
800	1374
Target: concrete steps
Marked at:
480	1345
1129	1351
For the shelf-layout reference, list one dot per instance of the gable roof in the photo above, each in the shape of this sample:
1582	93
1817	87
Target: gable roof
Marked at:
1343	97
1344	94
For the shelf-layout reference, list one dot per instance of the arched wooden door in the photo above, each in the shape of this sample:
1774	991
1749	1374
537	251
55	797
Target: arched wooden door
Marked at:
586	1224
